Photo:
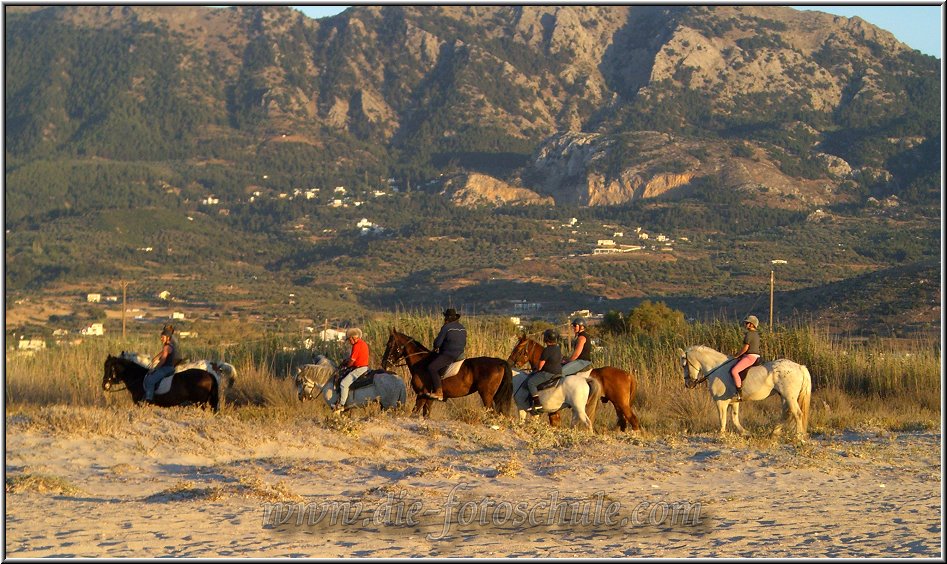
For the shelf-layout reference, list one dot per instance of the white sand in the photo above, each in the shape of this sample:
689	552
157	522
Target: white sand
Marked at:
148	490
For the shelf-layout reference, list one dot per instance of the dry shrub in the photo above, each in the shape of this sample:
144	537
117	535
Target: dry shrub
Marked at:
40	483
510	467
248	487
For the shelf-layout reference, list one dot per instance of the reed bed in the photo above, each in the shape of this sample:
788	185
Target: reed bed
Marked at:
854	385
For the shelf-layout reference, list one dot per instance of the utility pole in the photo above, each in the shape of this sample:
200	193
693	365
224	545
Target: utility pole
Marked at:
124	284
772	286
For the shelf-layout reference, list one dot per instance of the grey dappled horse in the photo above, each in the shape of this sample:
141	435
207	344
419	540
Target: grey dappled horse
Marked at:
388	389
790	380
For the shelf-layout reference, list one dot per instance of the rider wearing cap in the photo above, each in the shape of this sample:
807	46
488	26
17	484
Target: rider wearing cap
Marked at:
748	355
581	357
448	347
354	366
164	363
550	366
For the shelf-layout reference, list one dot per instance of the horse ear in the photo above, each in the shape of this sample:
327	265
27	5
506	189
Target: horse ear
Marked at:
680	351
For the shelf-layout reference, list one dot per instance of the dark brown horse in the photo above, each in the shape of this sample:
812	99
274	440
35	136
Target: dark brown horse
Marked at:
618	385
194	386
491	377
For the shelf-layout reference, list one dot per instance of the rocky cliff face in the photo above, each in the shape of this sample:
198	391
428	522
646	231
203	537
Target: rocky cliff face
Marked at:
480	190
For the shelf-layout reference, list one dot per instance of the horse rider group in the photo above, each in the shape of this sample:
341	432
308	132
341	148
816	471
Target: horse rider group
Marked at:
449	346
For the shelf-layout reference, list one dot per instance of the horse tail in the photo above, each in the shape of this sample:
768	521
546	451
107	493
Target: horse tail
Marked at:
230	371
595	394
503	397
805	395
214	399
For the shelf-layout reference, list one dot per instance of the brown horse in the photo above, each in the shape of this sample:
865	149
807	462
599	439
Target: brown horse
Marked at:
618	385
491	377
194	386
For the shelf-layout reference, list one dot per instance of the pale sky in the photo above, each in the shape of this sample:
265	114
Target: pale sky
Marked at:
920	27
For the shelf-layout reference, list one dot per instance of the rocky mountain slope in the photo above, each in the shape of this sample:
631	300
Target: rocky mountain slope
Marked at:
538	96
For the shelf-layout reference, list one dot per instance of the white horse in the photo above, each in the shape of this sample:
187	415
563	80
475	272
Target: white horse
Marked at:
388	389
785	377
579	391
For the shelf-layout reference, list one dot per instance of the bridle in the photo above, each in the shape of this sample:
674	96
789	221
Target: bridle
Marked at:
694	382
112	379
402	355
520	355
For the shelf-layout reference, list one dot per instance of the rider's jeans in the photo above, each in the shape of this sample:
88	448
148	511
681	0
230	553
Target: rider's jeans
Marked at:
575	367
347	381
152	379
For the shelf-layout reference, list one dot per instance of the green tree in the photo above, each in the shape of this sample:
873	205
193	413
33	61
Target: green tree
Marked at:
652	318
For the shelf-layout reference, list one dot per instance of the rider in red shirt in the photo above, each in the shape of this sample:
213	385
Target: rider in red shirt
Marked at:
353	366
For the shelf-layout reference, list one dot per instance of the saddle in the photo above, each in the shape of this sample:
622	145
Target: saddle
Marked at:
452	368
550	383
759	362
366	379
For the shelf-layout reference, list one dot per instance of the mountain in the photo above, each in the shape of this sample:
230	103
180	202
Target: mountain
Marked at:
117	113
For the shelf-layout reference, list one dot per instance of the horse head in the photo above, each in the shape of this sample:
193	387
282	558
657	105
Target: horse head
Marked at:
526	351
112	375
692	371
520	353
394	349
311	376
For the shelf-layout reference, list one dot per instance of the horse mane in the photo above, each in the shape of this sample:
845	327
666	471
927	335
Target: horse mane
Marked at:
410	340
136	358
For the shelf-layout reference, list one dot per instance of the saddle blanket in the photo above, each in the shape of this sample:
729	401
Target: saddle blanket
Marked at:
452	368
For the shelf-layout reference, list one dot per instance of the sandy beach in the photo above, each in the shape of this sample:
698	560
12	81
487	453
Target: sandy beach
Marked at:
113	482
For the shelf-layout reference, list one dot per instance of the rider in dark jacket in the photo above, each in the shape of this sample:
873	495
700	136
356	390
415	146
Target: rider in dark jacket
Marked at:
448	347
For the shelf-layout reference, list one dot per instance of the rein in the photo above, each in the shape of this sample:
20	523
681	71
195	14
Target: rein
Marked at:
702	379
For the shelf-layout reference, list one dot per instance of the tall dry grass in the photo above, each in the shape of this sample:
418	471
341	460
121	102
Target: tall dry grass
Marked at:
854	385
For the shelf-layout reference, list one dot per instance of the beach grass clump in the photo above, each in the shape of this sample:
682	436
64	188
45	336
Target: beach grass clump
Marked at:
40	483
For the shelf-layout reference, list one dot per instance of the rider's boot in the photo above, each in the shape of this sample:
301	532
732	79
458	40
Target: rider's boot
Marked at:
437	394
537	405
738	396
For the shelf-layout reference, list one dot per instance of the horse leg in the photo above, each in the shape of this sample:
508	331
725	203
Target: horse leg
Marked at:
425	407
735	414
578	414
486	396
555	419
722	410
418	404
791	407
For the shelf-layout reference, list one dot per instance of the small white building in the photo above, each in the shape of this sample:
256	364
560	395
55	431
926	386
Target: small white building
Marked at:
335	203
93	298
340	189
210	201
605	243
96	329
165	295
643	236
177	315
31	344
332	335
